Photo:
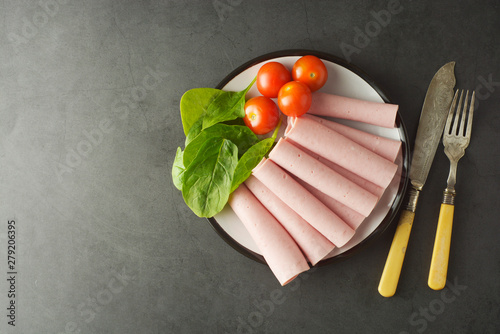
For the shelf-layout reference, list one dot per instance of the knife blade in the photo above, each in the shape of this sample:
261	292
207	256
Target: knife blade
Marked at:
430	128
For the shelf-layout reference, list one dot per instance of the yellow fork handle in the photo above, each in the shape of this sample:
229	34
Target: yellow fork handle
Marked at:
441	252
394	263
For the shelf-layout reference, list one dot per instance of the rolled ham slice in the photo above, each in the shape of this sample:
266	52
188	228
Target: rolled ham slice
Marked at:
303	202
351	217
277	247
312	243
376	113
335	147
363	183
321	177
385	147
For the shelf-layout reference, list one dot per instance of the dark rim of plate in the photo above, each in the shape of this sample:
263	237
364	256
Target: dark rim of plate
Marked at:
393	210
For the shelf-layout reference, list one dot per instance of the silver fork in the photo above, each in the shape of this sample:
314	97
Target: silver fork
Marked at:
456	138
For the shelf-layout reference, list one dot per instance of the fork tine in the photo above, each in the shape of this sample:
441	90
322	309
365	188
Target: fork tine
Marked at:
471	114
450	113
464	115
457	113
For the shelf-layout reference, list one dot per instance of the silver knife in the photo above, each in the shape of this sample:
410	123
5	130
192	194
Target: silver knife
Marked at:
430	128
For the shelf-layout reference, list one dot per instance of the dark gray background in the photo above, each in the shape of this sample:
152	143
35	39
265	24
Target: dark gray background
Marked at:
106	243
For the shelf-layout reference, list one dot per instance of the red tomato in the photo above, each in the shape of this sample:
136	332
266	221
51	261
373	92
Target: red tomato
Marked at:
294	99
271	77
311	71
261	115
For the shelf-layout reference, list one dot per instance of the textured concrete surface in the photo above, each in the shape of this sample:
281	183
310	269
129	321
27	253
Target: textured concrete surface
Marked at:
89	125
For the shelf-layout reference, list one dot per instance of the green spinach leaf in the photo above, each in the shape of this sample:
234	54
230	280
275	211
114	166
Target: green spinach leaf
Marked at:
251	159
226	107
194	131
178	169
194	104
207	180
242	136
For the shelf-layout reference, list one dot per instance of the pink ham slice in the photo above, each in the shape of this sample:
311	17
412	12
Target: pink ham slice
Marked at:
381	114
312	243
279	249
331	145
323	178
385	147
351	217
365	184
303	202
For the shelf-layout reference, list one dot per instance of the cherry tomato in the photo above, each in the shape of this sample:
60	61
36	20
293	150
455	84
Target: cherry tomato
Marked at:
311	71
294	99
261	115
271	77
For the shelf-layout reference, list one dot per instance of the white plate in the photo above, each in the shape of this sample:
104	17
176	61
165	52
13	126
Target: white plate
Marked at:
346	80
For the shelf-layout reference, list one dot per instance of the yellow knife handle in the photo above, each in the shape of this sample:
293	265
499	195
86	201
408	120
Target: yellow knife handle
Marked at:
441	252
394	263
